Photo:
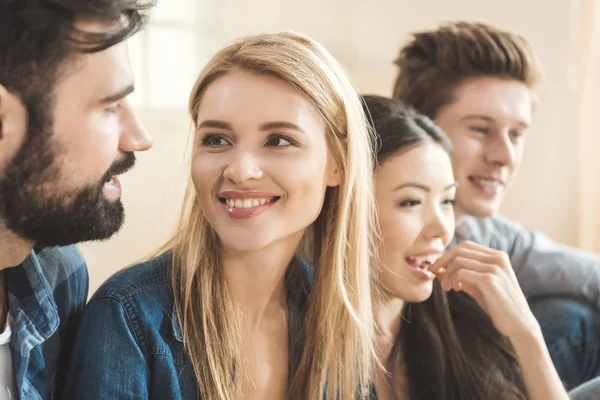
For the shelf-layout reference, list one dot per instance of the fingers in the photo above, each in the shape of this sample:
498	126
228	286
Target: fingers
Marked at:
474	283
470	250
459	257
474	292
447	278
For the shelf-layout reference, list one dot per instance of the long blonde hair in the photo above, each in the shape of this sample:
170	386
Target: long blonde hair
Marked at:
338	326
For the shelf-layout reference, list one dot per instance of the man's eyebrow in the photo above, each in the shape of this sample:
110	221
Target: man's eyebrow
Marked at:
122	93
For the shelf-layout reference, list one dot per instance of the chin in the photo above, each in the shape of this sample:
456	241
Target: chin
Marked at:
244	243
482	209
418	294
421	298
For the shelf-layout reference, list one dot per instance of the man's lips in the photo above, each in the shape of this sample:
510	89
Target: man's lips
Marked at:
488	185
488	178
121	166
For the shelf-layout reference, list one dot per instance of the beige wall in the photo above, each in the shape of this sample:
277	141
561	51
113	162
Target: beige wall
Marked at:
365	36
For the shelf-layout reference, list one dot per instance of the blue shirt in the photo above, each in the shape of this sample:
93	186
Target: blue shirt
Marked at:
130	344
46	295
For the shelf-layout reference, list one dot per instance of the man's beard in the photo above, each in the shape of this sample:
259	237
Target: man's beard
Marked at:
33	205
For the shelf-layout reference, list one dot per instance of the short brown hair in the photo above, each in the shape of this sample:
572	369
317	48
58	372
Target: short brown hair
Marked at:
38	36
433	63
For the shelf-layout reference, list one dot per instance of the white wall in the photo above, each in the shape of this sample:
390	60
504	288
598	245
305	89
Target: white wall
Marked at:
365	37
152	195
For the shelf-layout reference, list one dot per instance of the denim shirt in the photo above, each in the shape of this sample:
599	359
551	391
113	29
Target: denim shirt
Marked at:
46	294
130	344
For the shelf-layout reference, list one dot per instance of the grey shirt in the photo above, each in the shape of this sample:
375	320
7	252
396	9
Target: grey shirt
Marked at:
542	266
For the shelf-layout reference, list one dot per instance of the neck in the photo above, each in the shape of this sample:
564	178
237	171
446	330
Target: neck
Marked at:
388	317
458	216
13	249
3	302
256	279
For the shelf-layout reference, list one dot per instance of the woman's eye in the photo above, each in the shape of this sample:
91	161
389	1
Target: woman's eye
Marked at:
516	135
279	141
449	202
213	140
409	203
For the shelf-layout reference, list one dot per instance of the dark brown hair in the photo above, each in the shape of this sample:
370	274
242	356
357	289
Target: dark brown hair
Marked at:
433	63
448	346
399	128
38	36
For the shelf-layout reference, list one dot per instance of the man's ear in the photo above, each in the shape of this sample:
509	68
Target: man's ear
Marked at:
13	124
2	91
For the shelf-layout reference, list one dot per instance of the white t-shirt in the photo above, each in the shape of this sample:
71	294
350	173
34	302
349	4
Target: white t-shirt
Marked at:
8	389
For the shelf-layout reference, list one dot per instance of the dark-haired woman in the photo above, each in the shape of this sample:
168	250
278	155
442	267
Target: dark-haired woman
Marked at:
451	324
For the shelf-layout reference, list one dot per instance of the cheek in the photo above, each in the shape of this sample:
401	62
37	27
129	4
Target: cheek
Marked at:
205	171
90	143
450	224
398	232
304	179
519	149
466	151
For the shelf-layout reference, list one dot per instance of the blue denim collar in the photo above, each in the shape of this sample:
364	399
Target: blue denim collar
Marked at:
176	326
175	315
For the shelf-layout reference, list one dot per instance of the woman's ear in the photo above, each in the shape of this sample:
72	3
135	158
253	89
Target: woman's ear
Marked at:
333	176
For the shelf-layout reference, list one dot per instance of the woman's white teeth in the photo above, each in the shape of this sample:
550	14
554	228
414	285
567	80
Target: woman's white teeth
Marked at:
487	182
246	203
425	262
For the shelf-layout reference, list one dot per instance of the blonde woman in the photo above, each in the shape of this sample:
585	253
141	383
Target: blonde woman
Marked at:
281	162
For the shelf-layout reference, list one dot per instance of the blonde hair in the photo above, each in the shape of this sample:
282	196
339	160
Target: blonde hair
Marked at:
338	328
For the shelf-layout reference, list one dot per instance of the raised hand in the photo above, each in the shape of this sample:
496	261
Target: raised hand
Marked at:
487	276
